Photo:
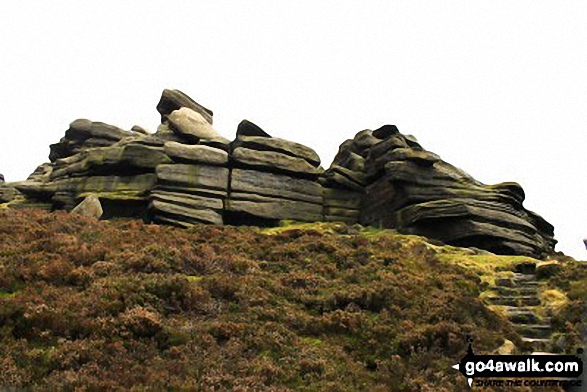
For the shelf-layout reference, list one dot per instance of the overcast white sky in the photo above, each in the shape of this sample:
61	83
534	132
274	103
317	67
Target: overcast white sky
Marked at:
498	88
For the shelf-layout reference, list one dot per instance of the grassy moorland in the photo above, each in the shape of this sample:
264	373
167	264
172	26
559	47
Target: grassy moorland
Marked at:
121	304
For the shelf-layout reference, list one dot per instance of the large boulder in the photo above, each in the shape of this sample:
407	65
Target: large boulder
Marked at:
247	128
191	125
172	100
90	207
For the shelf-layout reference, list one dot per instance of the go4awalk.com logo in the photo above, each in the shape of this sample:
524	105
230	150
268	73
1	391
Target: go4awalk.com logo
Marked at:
521	370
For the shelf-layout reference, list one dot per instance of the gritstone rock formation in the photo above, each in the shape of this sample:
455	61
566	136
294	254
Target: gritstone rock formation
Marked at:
187	173
408	188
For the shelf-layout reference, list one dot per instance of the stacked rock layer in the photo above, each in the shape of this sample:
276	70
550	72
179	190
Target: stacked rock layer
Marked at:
187	173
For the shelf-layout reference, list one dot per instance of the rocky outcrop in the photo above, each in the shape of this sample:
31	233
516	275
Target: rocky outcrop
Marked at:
187	173
410	189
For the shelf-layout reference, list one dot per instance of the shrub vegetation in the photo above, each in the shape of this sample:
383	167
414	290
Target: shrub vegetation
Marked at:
120	304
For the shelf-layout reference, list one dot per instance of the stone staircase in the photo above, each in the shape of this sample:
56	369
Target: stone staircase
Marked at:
519	297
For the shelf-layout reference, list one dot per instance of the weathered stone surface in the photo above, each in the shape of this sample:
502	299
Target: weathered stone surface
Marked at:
342	213
274	208
354	176
363	141
275	185
375	168
142	140
139	129
172	100
412	142
247	128
129	159
80	185
334	179
387	146
340	198
85	129
188	200
190	124
422	158
196	153
260	143
165	133
195	176
343	219
351	161
89	207
219	142
187	215
385	131
84	134
274	161
196	191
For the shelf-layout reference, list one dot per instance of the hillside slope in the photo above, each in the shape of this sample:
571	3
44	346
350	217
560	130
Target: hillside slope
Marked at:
120	304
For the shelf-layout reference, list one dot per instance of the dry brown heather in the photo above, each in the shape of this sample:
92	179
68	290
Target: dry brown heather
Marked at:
120	304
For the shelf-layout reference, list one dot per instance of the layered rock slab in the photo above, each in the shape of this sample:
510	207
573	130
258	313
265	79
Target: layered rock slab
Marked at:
272	179
413	190
274	196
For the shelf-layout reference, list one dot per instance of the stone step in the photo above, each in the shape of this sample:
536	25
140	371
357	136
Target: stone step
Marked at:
521	316
518	276
526	268
538	344
534	330
515	282
529	290
526	283
504	282
515	301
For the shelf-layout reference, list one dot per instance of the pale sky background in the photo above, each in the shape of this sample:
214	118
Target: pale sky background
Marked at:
497	88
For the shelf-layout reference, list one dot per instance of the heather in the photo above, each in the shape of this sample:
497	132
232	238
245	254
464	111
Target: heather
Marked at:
112	305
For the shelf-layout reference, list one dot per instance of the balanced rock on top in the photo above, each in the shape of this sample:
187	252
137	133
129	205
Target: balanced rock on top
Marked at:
172	100
190	124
